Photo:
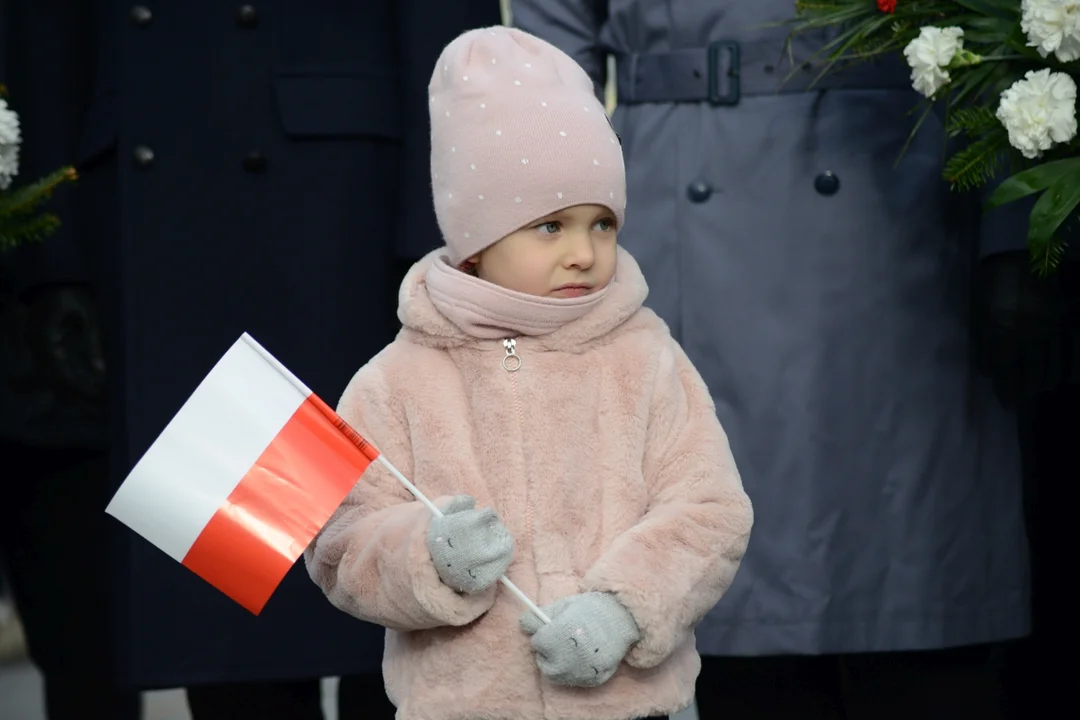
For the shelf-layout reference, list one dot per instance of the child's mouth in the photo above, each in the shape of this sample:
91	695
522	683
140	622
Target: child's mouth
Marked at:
572	291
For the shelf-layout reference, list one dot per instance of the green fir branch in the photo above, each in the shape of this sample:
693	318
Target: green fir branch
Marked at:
17	231
971	121
978	163
20	217
28	198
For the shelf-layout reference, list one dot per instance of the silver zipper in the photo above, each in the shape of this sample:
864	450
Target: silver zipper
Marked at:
511	362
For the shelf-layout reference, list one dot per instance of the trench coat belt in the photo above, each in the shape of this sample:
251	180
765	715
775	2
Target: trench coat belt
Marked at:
725	71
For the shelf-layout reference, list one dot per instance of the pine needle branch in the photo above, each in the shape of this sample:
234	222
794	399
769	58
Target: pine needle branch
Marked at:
972	121
15	232
20	220
26	199
978	163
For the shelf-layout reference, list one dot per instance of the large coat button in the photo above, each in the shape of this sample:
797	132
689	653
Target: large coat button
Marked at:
255	162
141	15
827	183
143	155
247	17
699	191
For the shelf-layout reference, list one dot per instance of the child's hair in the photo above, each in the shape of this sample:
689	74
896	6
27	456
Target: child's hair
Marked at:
516	134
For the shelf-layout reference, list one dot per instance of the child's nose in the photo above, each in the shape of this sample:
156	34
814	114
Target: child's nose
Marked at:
580	253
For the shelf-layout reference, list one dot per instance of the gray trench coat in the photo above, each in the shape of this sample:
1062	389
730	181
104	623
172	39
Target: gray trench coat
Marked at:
824	296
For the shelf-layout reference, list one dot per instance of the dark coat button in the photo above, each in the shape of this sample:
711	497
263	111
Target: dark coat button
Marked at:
255	162
699	191
247	17
143	155
141	15
827	183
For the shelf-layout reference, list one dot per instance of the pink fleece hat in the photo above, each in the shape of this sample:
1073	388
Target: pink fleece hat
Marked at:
516	134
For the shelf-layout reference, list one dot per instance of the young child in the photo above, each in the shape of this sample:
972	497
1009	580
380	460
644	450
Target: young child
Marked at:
567	437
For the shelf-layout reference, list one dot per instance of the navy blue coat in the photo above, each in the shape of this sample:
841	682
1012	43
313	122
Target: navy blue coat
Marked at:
259	168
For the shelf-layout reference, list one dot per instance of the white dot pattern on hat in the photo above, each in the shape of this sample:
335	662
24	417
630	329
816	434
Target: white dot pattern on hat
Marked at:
497	164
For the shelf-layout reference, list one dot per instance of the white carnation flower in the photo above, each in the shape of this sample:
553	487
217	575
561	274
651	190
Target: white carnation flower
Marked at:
929	56
1038	111
1052	26
9	145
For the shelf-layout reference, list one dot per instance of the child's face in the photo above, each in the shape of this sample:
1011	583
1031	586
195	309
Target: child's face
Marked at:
567	254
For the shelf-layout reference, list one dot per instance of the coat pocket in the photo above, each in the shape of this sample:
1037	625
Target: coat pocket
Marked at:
339	105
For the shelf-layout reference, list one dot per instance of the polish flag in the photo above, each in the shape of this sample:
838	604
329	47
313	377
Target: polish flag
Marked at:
244	476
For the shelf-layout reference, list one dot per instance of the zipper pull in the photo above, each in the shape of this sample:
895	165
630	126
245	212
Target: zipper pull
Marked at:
511	362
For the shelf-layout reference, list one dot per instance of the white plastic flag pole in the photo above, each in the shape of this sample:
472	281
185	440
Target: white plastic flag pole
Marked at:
438	513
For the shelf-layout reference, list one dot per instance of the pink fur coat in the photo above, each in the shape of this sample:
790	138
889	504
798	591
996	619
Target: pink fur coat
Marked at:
604	458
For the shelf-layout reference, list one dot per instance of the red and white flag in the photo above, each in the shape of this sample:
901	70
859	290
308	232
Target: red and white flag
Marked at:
244	476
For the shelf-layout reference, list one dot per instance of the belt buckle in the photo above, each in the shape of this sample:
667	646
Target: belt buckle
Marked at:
734	90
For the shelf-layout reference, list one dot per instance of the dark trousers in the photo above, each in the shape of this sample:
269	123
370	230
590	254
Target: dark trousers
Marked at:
943	684
359	697
53	539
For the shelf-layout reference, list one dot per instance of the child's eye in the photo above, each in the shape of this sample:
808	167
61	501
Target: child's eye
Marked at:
549	227
605	225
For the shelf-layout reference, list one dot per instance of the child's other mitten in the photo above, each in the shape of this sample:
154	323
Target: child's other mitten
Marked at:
471	548
587	638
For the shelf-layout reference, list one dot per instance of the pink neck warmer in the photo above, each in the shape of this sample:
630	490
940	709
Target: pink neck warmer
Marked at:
489	312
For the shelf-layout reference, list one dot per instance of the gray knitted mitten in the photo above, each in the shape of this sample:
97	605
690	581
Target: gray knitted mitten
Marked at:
587	638
470	548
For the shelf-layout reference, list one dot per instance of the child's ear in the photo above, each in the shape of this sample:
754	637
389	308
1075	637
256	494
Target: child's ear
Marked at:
474	260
